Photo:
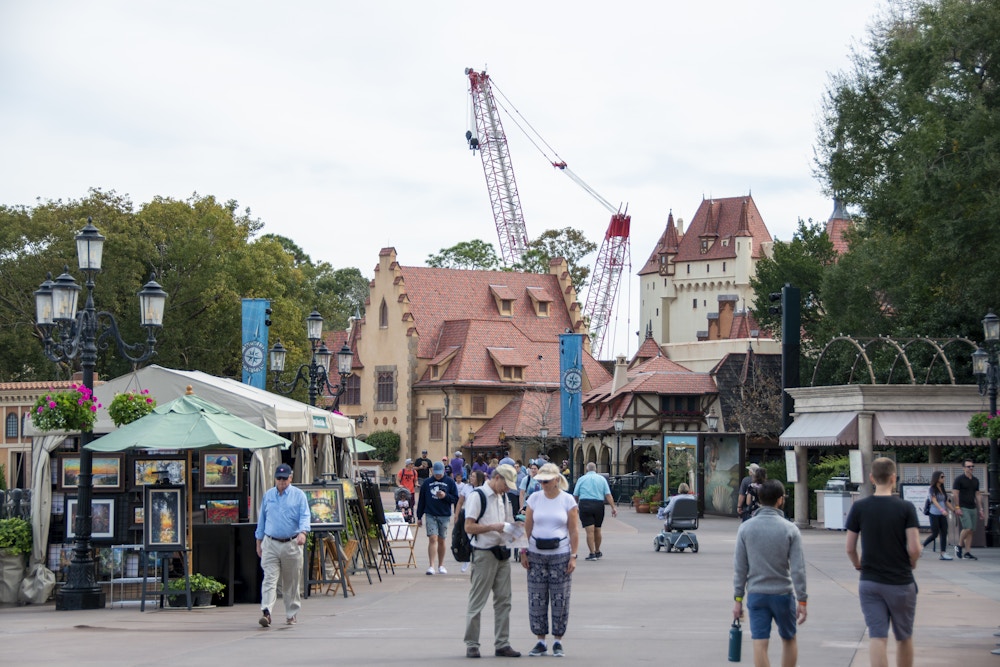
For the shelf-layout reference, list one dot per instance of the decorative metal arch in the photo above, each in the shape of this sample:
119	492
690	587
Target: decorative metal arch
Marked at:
863	345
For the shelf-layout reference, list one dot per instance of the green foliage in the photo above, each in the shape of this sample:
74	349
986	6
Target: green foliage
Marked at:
386	444
475	254
829	465
72	410
650	492
909	136
126	408
568	243
199	582
15	536
984	425
3	477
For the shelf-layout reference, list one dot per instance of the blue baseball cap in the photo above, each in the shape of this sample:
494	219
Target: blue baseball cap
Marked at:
282	472
438	468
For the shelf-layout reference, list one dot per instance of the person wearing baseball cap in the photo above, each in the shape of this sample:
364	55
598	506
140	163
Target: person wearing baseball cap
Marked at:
438	494
744	486
282	526
490	560
423	466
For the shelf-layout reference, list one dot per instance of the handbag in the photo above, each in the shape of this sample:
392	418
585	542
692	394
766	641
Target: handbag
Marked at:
547	543
927	506
501	553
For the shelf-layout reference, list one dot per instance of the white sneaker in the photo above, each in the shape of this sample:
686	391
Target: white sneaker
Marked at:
465	566
441	570
430	570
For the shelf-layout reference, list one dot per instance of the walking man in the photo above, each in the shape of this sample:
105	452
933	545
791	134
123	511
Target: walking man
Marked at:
744	486
890	549
281	534
771	569
968	504
591	492
490	561
437	495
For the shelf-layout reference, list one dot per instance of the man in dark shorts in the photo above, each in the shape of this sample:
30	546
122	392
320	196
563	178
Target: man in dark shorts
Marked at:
890	549
770	567
591	492
968	507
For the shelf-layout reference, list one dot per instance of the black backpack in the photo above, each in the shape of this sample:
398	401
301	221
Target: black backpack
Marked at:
461	543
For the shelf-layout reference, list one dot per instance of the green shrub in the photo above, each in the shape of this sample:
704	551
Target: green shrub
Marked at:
386	444
199	582
15	535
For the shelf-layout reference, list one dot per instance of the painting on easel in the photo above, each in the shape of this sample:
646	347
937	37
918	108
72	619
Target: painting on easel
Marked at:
164	527
326	506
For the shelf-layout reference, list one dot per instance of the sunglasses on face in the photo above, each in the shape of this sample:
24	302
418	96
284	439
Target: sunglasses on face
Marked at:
970	466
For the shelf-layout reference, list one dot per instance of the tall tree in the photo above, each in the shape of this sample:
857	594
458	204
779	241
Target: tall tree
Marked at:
568	243
911	136
474	254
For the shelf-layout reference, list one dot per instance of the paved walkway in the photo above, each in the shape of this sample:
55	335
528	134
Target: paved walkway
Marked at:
635	606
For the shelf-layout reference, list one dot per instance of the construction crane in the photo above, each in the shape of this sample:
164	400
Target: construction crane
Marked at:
614	255
487	136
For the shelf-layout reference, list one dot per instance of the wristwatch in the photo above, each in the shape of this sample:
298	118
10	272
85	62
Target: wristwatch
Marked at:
574	555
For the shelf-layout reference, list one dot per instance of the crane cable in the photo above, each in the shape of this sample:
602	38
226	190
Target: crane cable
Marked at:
558	162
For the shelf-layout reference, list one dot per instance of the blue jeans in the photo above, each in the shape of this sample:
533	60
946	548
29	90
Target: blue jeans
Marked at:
764	607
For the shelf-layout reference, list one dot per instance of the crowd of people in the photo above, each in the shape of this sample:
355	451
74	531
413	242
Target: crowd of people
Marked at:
530	512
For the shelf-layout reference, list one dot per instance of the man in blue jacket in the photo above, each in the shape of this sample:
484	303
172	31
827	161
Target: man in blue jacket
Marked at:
438	494
770	569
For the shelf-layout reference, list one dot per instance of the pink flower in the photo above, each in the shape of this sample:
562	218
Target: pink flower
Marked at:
52	404
149	400
40	408
93	408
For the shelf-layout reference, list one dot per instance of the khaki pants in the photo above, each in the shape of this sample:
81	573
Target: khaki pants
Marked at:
284	559
489	574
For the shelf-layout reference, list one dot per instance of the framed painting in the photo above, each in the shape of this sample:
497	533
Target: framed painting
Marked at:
106	472
220	470
164	521
151	471
137	516
102	518
350	492
326	506
222	511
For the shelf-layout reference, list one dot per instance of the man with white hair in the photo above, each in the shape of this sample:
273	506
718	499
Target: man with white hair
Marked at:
741	510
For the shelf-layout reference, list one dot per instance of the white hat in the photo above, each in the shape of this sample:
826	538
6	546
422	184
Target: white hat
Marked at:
509	475
551	471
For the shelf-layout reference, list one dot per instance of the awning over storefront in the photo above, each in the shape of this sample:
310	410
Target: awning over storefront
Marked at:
919	428
821	429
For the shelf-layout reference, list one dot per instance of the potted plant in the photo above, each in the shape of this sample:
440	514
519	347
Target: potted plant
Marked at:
982	425
203	587
71	410
127	407
15	544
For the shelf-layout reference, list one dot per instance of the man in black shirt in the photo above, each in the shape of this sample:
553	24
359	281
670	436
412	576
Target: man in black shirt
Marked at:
968	503
890	548
423	466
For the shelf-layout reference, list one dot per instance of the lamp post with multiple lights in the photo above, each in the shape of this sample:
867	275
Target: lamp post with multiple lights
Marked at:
317	371
986	368
68	334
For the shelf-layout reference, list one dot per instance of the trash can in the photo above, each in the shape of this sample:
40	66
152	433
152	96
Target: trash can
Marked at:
836	503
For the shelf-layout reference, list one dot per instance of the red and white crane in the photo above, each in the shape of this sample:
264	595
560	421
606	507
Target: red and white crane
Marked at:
489	139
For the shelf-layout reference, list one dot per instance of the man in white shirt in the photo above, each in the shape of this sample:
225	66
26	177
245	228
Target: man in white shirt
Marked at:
490	560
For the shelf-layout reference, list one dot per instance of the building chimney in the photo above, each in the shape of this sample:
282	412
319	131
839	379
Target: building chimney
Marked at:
621	373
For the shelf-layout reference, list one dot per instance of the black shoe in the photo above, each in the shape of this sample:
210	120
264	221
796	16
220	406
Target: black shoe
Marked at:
472	652
958	551
968	556
557	649
507	652
539	649
591	557
598	554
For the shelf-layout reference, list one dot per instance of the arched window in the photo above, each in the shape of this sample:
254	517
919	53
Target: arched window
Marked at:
12	426
383	316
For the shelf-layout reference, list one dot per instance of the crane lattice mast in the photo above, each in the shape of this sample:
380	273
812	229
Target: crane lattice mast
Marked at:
487	136
613	257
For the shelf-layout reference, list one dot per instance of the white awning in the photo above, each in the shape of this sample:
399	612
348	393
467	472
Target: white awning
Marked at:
821	429
912	427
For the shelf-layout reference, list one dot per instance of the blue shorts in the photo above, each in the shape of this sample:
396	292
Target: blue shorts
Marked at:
437	525
763	608
881	603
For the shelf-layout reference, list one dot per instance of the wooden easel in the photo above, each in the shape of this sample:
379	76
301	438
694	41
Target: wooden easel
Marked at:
163	558
315	571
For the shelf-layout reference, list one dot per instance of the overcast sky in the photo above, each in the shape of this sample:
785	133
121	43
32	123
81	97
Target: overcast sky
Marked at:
341	124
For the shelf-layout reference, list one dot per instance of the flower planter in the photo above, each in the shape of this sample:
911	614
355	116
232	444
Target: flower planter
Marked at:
642	508
11	576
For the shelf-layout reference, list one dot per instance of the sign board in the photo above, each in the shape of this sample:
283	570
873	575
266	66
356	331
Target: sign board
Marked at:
791	467
916	494
637	442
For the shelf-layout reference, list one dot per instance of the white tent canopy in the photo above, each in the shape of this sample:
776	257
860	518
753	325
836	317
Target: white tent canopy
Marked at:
272	412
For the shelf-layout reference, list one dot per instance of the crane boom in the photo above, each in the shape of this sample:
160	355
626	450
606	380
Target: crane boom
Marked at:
612	258
491	142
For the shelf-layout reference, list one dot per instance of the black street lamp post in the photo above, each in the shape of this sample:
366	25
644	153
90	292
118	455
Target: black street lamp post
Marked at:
317	371
543	433
619	427
986	368
69	334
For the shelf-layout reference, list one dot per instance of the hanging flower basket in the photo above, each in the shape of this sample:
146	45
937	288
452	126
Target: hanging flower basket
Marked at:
126	408
71	410
982	425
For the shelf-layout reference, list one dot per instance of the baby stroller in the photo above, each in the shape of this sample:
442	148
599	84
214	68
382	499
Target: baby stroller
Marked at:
682	518
404	503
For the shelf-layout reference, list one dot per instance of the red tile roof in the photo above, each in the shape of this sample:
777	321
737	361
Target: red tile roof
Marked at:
668	244
523	417
720	219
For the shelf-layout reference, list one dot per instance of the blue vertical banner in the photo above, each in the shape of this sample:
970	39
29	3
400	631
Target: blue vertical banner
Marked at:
571	384
256	320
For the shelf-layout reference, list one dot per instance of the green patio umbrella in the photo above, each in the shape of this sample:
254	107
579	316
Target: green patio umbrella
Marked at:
358	446
188	422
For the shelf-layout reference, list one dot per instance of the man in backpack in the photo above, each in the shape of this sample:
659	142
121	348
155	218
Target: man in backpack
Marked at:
490	561
741	511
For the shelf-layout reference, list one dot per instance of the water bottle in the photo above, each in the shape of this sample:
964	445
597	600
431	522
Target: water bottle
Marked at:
735	641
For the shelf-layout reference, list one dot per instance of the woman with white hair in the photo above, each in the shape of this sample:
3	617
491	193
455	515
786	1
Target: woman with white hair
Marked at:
551	525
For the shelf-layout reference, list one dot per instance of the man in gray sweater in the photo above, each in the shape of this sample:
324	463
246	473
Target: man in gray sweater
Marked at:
771	569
